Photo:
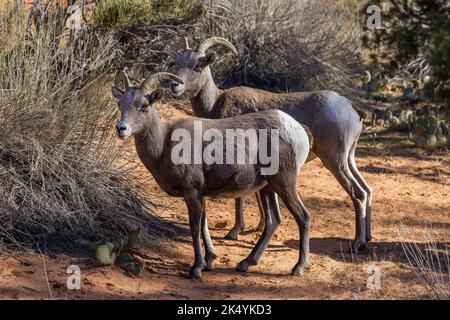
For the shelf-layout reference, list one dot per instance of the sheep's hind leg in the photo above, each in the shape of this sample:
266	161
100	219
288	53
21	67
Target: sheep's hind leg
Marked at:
302	217
339	167
272	221
239	220
366	187
262	218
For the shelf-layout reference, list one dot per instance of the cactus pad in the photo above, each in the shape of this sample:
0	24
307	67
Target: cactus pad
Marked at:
431	141
118	253
105	255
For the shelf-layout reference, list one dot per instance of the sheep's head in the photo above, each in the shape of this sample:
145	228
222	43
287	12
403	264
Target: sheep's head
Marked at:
136	103
192	65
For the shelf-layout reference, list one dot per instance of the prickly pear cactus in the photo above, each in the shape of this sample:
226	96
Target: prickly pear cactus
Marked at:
442	140
398	119
133	237
431	141
388	114
394	122
93	245
105	254
118	253
429	132
380	122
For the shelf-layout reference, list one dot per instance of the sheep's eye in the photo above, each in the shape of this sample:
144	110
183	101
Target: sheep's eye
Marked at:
198	67
143	108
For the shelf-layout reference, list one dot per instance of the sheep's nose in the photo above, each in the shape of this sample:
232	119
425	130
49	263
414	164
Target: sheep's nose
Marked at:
121	127
175	86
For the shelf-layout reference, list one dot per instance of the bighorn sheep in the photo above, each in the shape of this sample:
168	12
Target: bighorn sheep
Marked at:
334	123
155	146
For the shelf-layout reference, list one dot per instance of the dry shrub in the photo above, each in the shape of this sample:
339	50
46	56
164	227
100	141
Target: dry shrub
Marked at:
430	259
59	178
288	44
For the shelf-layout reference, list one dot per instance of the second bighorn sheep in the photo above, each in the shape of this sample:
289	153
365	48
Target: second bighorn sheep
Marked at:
194	181
334	123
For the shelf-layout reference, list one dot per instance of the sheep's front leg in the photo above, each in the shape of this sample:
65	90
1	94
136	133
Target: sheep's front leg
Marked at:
194	203
210	253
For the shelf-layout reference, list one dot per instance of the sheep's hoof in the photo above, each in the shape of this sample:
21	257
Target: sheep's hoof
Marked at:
369	238
209	260
242	266
299	269
233	234
358	246
260	226
195	273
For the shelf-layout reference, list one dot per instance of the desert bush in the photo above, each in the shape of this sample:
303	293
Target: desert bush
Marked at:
59	174
287	44
112	13
429	260
414	43
176	12
120	13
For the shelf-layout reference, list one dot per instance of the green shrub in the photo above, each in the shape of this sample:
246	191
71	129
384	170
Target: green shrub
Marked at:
120	13
415	41
112	13
175	11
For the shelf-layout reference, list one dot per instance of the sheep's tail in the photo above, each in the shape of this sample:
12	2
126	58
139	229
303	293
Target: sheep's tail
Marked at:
310	136
362	114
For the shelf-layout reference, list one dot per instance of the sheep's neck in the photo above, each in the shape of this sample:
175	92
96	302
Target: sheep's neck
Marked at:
204	102
150	142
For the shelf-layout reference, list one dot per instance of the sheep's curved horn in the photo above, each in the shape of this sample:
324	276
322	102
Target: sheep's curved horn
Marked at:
149	82
183	44
126	78
213	41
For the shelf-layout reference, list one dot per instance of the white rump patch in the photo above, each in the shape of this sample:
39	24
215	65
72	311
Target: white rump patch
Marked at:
292	132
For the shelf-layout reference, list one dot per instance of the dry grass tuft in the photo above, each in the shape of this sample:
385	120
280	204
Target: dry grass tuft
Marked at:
430	261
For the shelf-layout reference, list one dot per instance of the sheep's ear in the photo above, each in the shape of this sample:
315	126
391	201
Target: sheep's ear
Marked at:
116	92
210	58
155	95
205	61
